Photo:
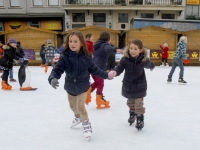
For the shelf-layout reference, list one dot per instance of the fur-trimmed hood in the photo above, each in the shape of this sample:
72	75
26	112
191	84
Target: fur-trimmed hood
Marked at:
144	54
6	47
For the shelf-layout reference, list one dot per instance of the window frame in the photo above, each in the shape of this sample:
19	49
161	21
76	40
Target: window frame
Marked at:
147	13
37	5
78	13
54	5
127	17
15	6
170	14
2	4
99	13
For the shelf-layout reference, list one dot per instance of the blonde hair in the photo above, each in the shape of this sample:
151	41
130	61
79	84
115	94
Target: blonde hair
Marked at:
165	45
183	38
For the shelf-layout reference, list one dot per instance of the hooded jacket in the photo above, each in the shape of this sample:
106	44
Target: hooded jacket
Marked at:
101	51
134	81
180	50
78	68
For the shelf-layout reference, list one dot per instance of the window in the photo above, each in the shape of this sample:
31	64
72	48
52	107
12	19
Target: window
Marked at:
1	26
143	15
53	2
168	16
78	17
37	2
78	25
35	24
123	17
1	3
99	17
15	3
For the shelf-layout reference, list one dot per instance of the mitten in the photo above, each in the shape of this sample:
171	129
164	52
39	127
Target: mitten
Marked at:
54	83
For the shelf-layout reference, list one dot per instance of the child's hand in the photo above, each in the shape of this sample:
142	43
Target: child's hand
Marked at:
120	51
54	83
112	74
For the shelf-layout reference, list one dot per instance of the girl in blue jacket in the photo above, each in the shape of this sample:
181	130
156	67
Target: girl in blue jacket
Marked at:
77	63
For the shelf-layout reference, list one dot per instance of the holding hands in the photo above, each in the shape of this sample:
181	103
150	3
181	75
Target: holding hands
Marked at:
54	83
112	74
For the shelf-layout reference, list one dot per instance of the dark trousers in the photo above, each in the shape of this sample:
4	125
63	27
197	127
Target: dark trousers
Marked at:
111	62
5	75
164	59
43	59
98	83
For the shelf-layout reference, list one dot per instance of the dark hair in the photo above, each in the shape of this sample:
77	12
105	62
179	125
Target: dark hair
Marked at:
82	40
104	36
88	36
1	42
18	42
42	45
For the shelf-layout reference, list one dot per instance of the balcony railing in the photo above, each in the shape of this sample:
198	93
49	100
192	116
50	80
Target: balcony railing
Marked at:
124	2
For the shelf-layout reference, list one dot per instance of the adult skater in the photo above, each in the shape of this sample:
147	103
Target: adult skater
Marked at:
134	85
179	55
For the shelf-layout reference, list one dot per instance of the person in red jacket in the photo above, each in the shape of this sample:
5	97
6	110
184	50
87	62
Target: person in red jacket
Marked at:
1	52
165	49
89	42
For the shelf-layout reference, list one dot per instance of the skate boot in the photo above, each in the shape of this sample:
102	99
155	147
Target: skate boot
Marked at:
101	101
140	122
12	80
88	97
46	69
167	65
75	122
169	80
162	65
132	117
87	129
5	86
180	80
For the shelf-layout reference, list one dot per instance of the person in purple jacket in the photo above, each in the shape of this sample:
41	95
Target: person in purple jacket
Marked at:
134	85
102	49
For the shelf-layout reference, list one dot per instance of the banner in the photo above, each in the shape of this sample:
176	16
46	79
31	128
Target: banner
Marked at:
12	25
192	2
29	54
157	54
51	25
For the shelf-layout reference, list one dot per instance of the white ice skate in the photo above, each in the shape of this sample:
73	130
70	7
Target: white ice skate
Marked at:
75	122
162	65
87	129
167	65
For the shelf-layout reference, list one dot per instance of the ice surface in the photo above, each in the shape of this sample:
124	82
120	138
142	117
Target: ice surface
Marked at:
41	119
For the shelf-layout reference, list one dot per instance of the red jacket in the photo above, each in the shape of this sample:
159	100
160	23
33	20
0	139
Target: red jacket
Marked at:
89	46
1	52
164	51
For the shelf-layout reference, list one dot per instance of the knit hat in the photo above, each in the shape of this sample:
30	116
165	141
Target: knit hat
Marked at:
48	41
11	40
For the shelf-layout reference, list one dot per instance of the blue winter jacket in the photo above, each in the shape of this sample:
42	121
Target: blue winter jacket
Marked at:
101	51
78	68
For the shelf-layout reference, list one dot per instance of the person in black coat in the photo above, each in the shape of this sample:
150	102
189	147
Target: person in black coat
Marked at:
7	60
134	85
77	63
42	55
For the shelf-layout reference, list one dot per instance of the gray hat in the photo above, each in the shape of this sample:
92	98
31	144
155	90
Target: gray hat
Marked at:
48	41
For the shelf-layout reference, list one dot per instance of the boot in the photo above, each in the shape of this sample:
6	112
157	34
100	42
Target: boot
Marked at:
75	122
46	69
87	129
169	80
101	101
140	122
132	117
88	97
180	80
12	80
43	65
162	65
167	65
5	86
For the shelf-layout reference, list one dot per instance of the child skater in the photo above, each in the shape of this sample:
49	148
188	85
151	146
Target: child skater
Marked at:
102	49
179	55
165	49
7	60
77	63
89	42
134	85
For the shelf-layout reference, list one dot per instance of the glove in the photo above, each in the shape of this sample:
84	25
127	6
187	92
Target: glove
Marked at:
54	83
112	74
21	59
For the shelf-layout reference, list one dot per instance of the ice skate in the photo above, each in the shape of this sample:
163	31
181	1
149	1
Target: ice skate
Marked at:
140	122
180	80
12	80
88	97
101	102
46	69
132	117
162	65
169	80
87	129
5	86
75	122
167	65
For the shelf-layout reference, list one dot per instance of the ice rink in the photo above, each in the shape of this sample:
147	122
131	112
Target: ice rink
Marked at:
40	120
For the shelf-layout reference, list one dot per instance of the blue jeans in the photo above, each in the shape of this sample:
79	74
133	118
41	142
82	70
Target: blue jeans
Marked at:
11	74
176	62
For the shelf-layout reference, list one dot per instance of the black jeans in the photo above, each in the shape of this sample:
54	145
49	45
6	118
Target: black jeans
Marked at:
5	75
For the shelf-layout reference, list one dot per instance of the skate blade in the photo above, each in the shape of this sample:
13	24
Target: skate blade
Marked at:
100	107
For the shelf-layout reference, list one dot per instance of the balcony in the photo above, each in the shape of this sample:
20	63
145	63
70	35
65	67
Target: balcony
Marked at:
124	2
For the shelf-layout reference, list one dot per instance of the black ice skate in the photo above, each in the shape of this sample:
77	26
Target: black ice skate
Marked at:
132	117
140	122
169	80
180	80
